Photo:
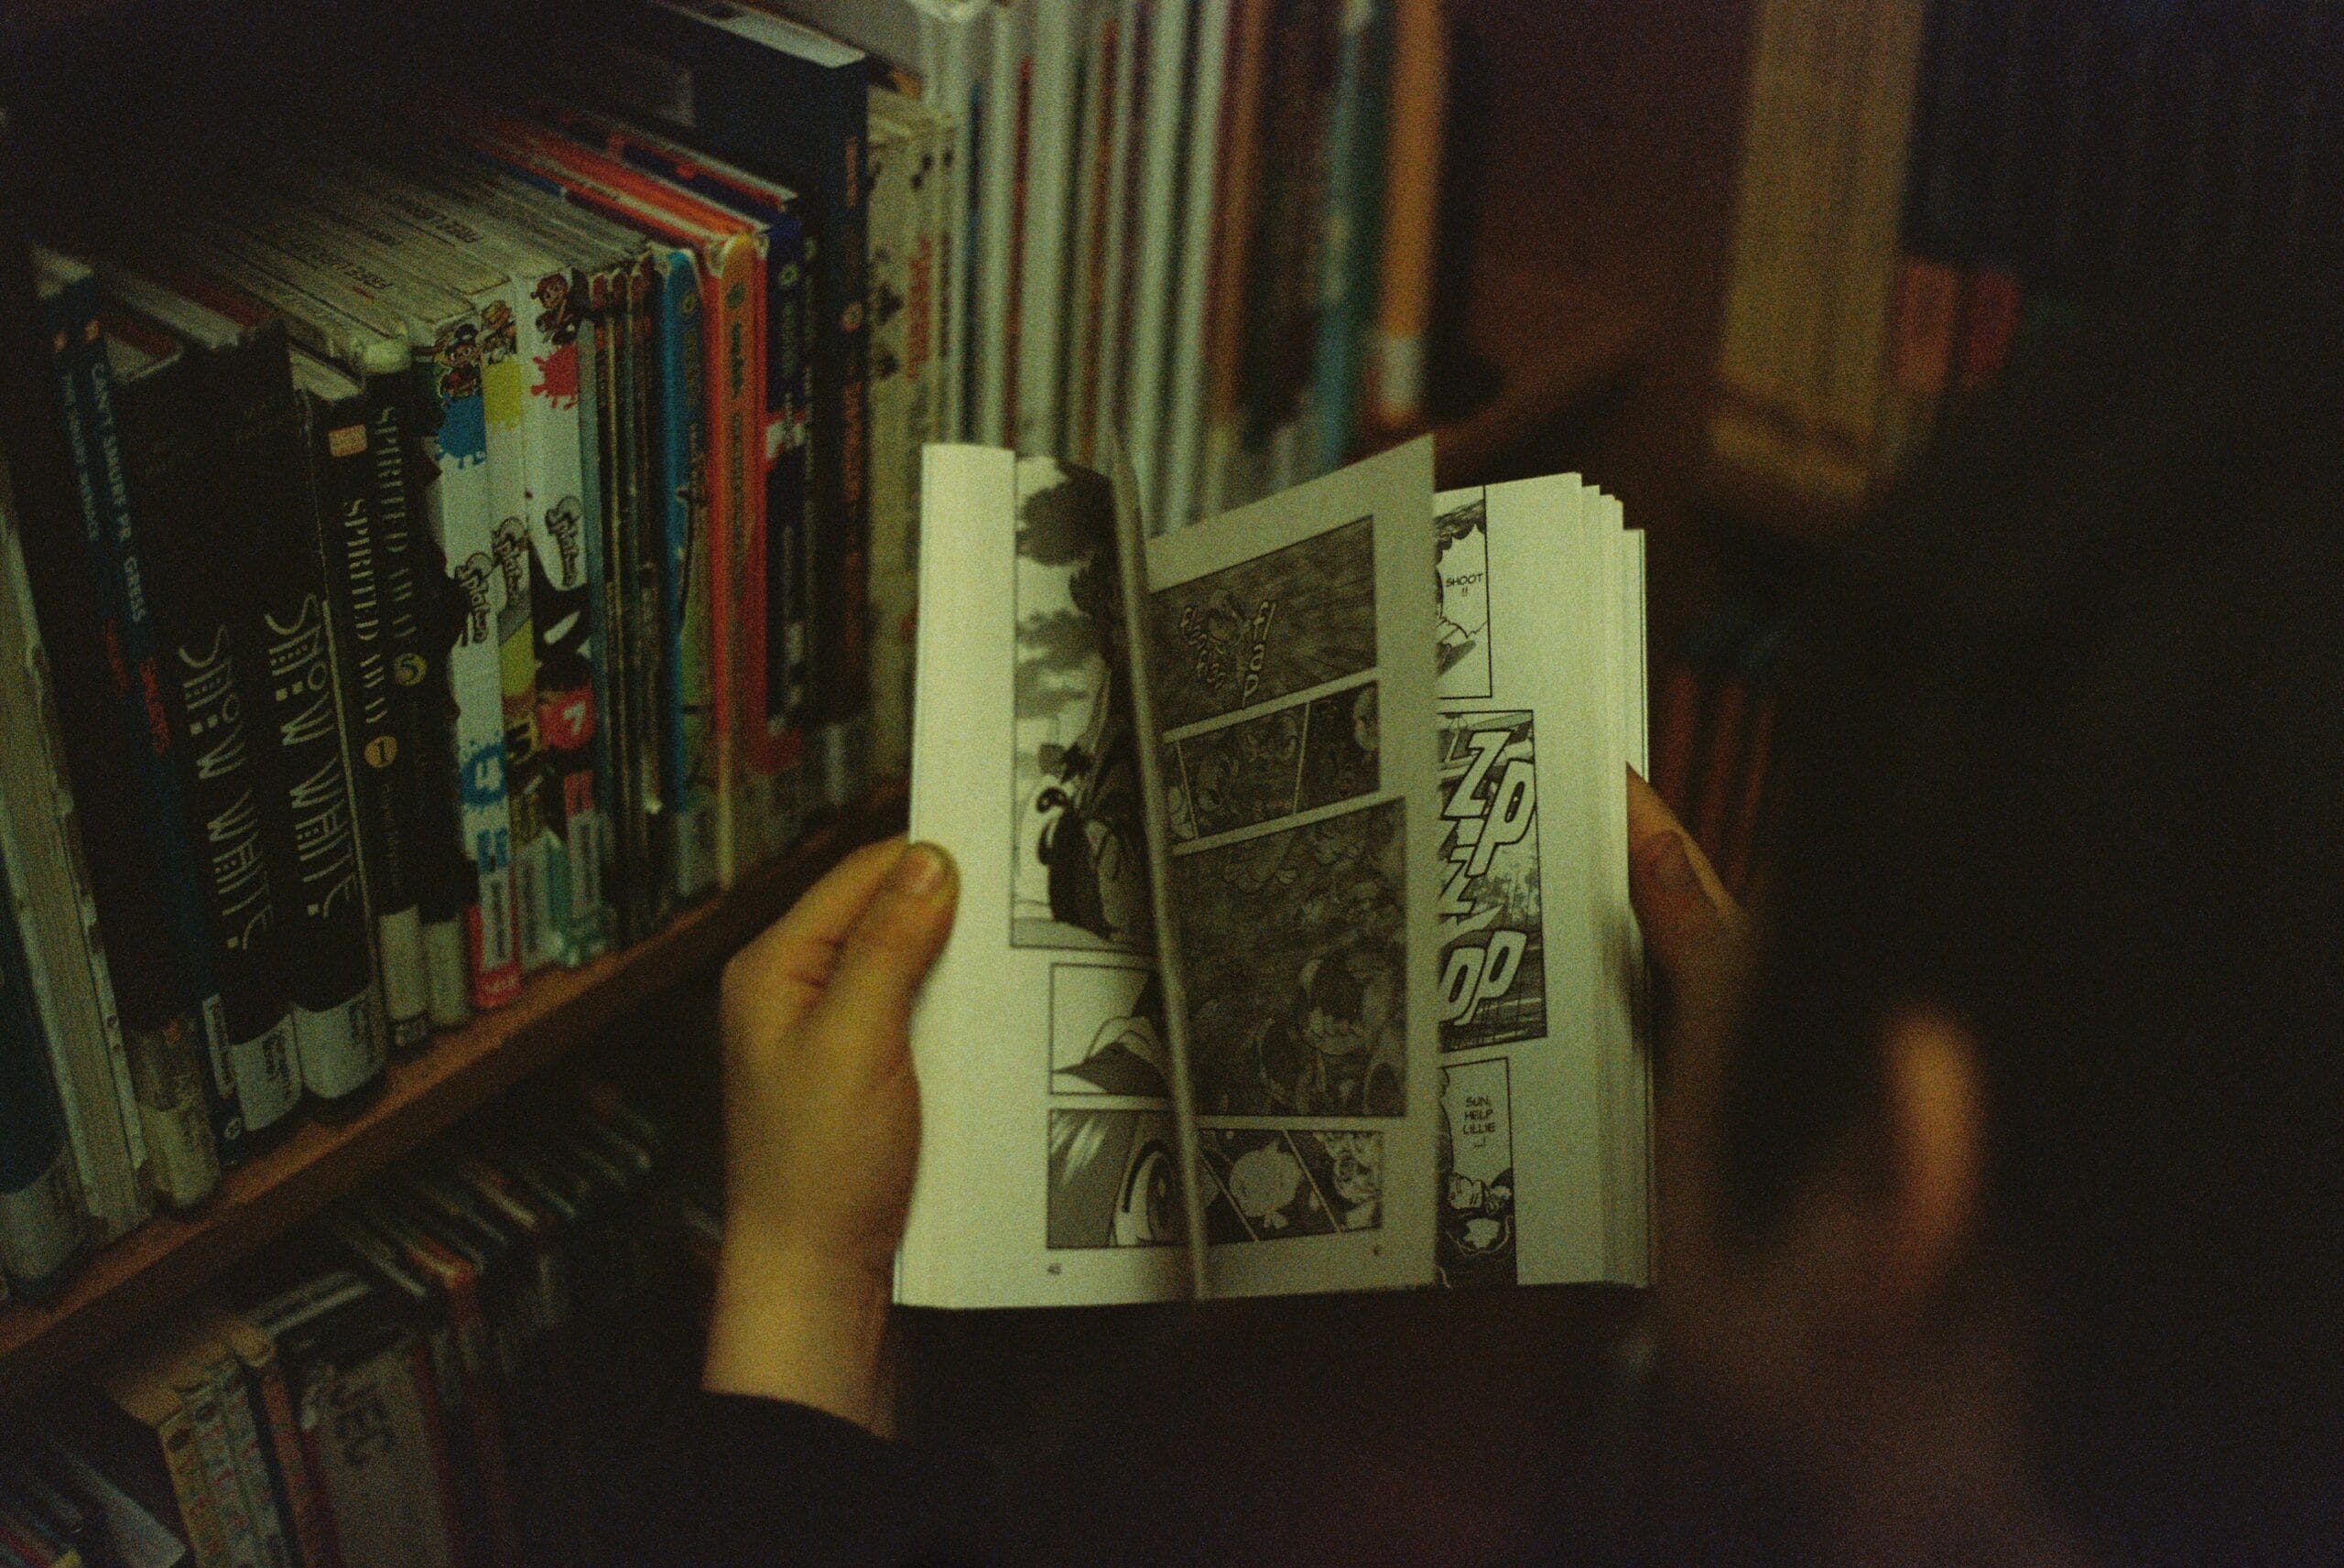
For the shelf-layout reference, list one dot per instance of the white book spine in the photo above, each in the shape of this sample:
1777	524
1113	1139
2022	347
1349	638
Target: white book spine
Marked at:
1156	245
1058	34
1184	437
40	839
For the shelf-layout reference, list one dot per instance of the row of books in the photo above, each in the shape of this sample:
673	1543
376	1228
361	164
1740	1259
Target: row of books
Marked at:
432	555
1927	186
445	1371
1208	223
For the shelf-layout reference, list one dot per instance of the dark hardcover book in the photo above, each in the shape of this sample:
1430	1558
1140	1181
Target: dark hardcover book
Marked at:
40	1206
343	502
84	403
155	994
246	553
206	629
792	105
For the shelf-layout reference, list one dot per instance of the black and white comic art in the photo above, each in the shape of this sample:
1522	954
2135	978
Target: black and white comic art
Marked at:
1461	570
1493	970
1263	629
1281	763
1475	1245
1297	970
1107	1033
1114	1180
1263	1184
1081	866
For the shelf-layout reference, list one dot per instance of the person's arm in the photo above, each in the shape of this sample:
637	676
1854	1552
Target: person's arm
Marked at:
785	1458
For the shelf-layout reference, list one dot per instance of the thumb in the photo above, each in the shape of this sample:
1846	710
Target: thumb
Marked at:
893	945
1685	924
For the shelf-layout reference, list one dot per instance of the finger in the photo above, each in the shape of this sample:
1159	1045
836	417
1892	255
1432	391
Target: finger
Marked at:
781	972
891	949
1649	821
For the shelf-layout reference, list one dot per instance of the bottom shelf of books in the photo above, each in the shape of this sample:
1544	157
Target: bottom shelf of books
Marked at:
144	1272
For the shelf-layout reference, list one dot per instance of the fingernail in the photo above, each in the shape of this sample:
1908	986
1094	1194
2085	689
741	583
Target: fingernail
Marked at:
925	872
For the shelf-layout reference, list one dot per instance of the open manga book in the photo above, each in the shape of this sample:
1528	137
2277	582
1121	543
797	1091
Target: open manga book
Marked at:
1293	950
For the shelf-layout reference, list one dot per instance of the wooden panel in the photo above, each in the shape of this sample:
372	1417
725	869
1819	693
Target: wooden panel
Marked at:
259	1201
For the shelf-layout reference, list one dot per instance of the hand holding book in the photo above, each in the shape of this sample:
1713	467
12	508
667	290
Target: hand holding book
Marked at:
822	1130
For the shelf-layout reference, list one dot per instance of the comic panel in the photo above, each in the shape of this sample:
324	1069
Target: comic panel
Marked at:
1275	1184
1107	1033
1265	628
1296	971
1081	861
1114	1180
1295	758
1493	948
1474	1246
1462	565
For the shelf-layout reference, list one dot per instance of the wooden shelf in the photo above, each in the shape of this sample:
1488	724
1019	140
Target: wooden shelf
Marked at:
257	1202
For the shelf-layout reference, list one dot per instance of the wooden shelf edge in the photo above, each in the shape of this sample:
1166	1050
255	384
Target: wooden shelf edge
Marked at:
124	1283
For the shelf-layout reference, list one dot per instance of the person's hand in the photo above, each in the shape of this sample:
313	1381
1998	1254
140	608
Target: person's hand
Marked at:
1695	940
821	1130
1693	930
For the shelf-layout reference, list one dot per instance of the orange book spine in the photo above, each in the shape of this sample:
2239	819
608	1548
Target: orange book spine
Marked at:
1419	97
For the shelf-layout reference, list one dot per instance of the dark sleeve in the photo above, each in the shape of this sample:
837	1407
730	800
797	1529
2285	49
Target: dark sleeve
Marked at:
743	1481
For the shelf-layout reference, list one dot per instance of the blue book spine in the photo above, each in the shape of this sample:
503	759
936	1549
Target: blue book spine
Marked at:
680	420
84	389
1355	158
40	1211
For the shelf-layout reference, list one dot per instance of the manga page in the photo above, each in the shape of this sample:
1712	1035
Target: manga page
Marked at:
1049	1167
1276	646
1534	998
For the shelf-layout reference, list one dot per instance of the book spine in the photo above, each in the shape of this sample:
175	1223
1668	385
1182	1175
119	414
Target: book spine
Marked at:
303	1526
85	396
732	302
774	658
563	618
689	700
183	1464
216	1460
893	240
40	1205
600	346
40	840
1411	207
839	461
483	382
642	543
288	571
466	526
197	585
344	541
271	1549
717	575
1355	153
424	613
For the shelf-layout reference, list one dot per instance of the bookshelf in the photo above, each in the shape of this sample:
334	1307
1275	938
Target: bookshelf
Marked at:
122	1285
